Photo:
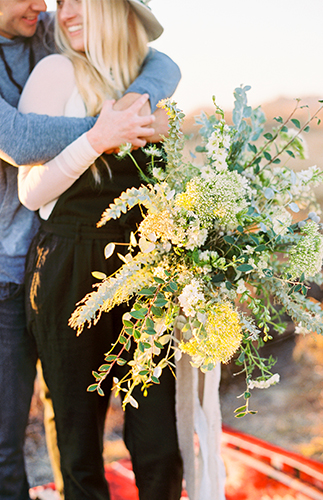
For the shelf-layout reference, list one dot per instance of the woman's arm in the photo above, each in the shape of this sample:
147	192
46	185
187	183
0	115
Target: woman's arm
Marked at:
47	91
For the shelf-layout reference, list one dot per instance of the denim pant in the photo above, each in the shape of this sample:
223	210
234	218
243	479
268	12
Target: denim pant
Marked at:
17	373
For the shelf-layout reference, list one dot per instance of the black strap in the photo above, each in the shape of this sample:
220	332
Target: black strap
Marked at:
9	70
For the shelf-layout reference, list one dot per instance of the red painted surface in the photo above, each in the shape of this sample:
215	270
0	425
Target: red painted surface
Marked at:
256	470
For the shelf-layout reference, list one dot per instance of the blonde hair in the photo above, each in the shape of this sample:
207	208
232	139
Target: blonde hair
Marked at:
115	42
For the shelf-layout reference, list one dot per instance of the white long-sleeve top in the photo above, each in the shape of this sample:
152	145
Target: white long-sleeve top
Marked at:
51	90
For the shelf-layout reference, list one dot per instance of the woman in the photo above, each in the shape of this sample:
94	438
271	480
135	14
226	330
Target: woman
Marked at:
102	60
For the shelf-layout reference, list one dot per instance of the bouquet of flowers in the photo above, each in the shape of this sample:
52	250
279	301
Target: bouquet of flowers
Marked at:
217	259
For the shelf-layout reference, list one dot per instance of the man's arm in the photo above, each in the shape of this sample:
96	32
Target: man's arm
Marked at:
159	77
31	139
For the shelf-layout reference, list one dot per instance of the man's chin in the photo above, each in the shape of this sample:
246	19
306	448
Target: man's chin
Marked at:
28	32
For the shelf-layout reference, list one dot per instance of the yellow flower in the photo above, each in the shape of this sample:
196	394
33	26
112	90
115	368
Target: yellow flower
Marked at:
223	337
161	224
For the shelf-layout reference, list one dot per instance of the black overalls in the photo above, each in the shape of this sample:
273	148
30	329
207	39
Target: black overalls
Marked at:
62	256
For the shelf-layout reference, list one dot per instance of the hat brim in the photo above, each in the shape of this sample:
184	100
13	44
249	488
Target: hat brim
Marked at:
153	27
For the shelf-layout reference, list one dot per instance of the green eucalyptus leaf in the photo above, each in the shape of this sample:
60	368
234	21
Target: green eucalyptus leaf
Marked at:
159	280
160	302
242	408
269	193
128	345
218	278
111	357
294	208
157	311
92	388
140	314
137	334
228	285
229	239
252	147
104	368
244	268
158	344
147	291
261	248
296	122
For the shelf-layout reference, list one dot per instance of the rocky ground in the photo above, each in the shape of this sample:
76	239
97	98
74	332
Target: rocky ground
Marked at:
290	414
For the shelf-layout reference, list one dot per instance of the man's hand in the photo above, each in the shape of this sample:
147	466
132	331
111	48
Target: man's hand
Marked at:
115	127
128	99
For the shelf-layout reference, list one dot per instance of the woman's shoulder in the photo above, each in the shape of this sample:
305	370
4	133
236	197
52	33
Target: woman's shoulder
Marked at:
53	64
49	86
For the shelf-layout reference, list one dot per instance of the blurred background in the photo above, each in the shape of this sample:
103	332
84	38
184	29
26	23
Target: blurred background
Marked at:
219	44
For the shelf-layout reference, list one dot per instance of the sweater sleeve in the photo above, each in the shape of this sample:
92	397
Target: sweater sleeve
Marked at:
29	139
39	185
159	77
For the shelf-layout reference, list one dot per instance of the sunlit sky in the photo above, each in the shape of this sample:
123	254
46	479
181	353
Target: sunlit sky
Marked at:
275	46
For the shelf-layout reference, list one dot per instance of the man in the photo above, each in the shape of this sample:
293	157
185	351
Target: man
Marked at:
26	36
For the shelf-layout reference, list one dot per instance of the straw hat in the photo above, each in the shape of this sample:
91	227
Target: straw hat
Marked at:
153	27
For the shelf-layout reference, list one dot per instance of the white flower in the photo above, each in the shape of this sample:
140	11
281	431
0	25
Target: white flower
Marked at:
264	384
191	298
125	149
195	236
249	250
301	330
158	173
207	173
281	220
241	286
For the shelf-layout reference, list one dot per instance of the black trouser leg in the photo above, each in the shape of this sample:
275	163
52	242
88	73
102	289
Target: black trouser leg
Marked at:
151	437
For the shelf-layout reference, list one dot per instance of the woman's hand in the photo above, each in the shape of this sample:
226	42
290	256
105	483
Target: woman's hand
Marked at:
114	127
161	125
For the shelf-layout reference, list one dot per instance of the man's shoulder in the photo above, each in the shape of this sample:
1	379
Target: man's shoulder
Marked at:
46	18
44	35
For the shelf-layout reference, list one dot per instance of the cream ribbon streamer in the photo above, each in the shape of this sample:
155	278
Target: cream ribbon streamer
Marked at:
205	473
